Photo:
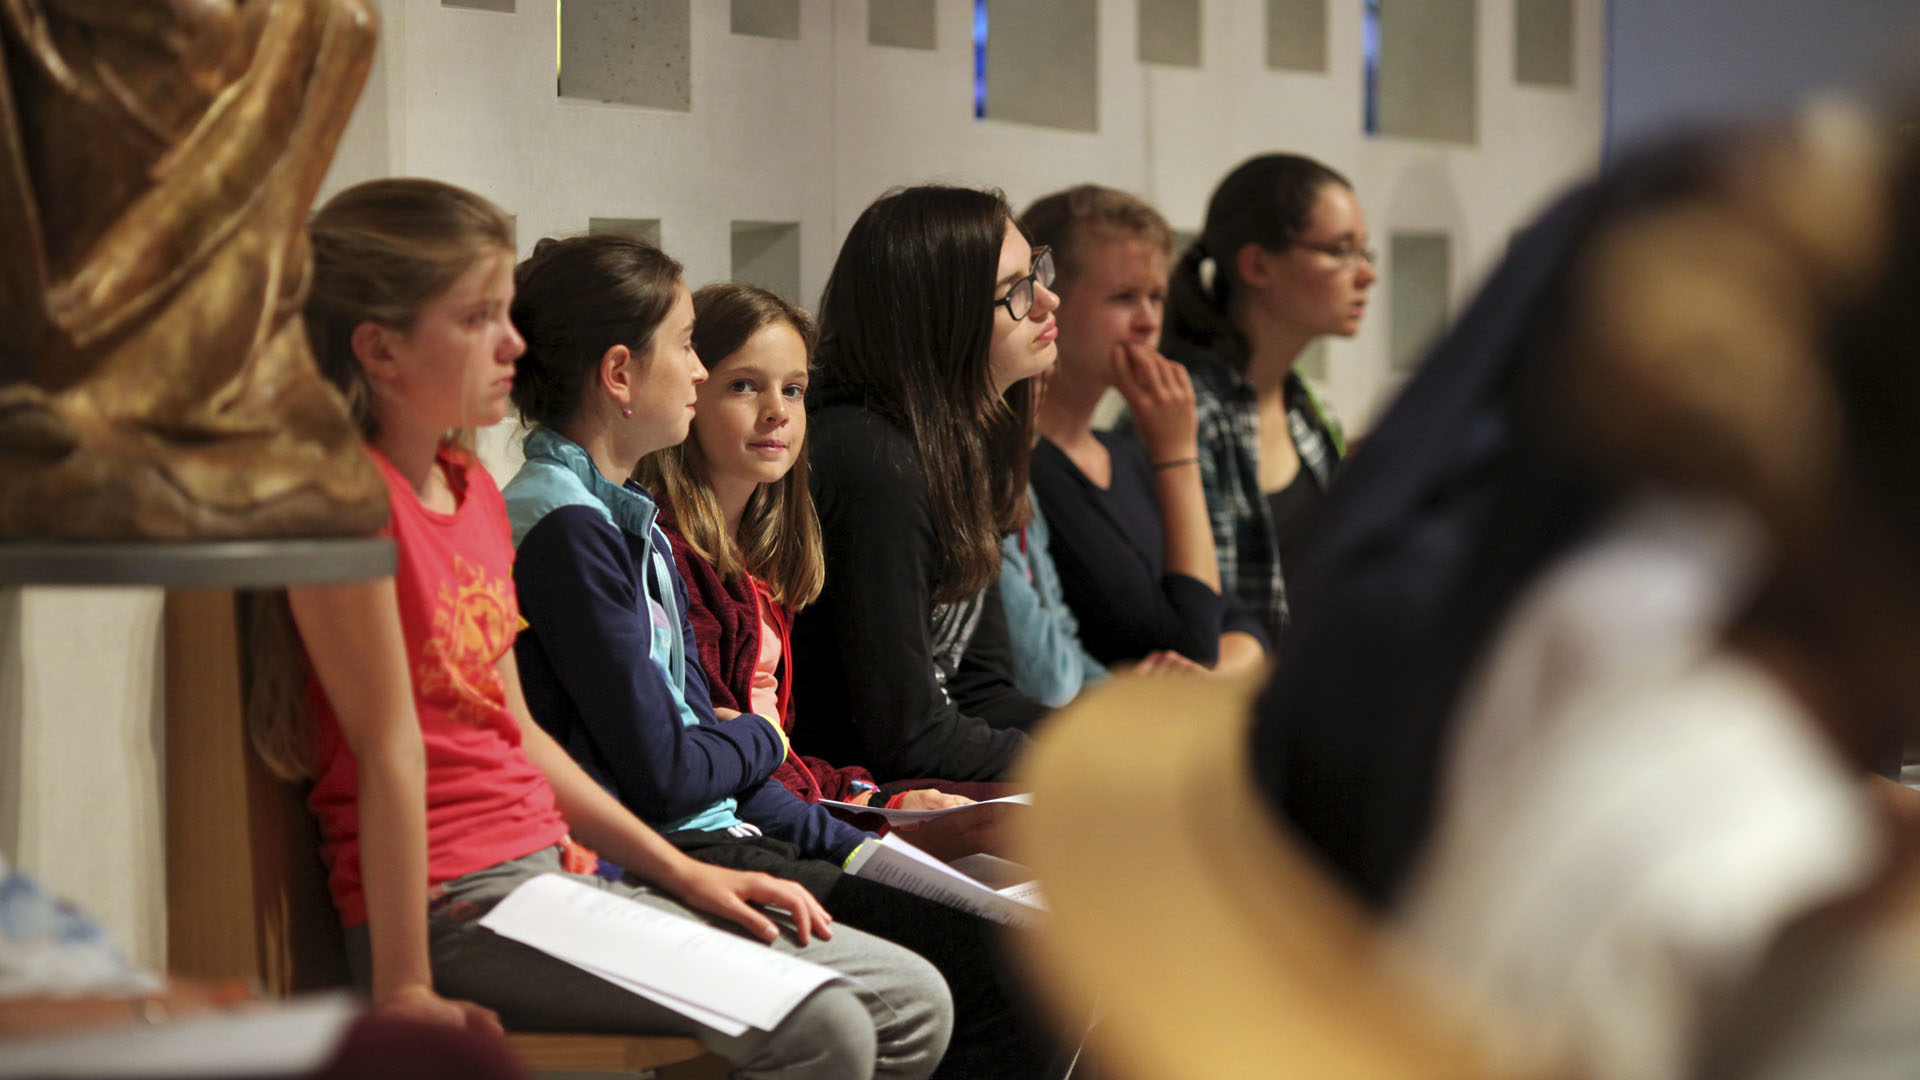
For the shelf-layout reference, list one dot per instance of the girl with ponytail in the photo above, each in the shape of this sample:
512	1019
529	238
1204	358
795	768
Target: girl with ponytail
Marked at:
1283	260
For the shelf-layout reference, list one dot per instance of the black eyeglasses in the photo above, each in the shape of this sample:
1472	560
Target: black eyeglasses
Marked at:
1346	253
1019	298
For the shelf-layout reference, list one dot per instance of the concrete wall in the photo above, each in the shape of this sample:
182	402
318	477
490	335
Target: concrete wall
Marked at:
1671	63
806	130
81	695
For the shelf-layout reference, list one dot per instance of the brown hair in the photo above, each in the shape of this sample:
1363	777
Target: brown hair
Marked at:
574	299
1063	219
382	251
779	533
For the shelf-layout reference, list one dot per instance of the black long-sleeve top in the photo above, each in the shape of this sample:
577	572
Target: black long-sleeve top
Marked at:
881	676
1109	545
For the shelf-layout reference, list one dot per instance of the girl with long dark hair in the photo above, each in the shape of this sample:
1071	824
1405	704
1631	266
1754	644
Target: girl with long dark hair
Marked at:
935	317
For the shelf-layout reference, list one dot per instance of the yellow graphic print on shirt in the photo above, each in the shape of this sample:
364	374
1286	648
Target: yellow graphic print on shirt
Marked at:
474	621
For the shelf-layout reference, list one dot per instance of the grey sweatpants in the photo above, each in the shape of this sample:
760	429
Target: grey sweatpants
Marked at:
890	1021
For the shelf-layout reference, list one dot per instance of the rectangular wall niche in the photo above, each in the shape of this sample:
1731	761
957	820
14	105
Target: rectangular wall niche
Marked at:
904	24
767	18
1043	63
647	229
480	5
767	254
1419	279
1428	70
1297	35
629	52
1543	42
1170	32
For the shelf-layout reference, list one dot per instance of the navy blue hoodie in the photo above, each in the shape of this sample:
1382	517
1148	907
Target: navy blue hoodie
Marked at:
604	662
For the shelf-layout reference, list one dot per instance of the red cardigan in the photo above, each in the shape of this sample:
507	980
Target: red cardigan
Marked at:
726	622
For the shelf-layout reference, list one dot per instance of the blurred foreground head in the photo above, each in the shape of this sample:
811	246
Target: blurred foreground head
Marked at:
1736	320
1761	340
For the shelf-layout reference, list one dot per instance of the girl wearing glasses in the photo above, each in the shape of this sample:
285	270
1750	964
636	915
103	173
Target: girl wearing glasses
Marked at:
1282	261
936	315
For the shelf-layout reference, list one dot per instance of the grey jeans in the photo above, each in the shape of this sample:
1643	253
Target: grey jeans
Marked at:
891	1020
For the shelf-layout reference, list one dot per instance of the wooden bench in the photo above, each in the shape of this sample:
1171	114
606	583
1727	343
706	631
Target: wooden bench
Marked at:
246	889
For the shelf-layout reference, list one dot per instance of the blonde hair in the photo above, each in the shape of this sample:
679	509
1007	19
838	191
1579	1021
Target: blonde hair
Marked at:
382	251
779	533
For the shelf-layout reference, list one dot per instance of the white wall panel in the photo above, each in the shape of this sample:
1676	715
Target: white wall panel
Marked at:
81	745
905	24
1543	42
767	254
1429	54
810	130
1043	63
1170	32
628	52
767	18
804	131
1296	34
647	229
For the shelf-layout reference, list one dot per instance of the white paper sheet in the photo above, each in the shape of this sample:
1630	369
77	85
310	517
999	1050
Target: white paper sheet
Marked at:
1004	876
271	1040
725	1025
893	861
904	817
681	963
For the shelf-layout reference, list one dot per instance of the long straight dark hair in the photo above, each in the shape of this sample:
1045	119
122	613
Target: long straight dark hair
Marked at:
907	317
1266	200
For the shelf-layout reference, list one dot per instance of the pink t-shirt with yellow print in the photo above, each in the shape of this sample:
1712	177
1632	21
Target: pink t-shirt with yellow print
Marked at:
486	802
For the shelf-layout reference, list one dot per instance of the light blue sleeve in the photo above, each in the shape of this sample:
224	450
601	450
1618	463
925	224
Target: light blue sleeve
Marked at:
1049	663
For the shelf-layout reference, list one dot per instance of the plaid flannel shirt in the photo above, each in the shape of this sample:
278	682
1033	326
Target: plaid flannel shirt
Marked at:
1228	411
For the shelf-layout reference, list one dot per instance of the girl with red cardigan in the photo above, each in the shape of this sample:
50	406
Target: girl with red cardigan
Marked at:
746	540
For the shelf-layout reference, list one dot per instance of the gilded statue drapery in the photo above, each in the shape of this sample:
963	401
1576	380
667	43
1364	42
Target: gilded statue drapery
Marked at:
157	162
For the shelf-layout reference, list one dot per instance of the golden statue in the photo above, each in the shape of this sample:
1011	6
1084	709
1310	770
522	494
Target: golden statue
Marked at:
157	161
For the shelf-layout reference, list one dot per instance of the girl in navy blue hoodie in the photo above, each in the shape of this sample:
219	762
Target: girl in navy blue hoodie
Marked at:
609	662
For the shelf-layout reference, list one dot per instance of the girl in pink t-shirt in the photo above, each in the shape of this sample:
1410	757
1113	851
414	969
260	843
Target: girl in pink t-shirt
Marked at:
436	792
